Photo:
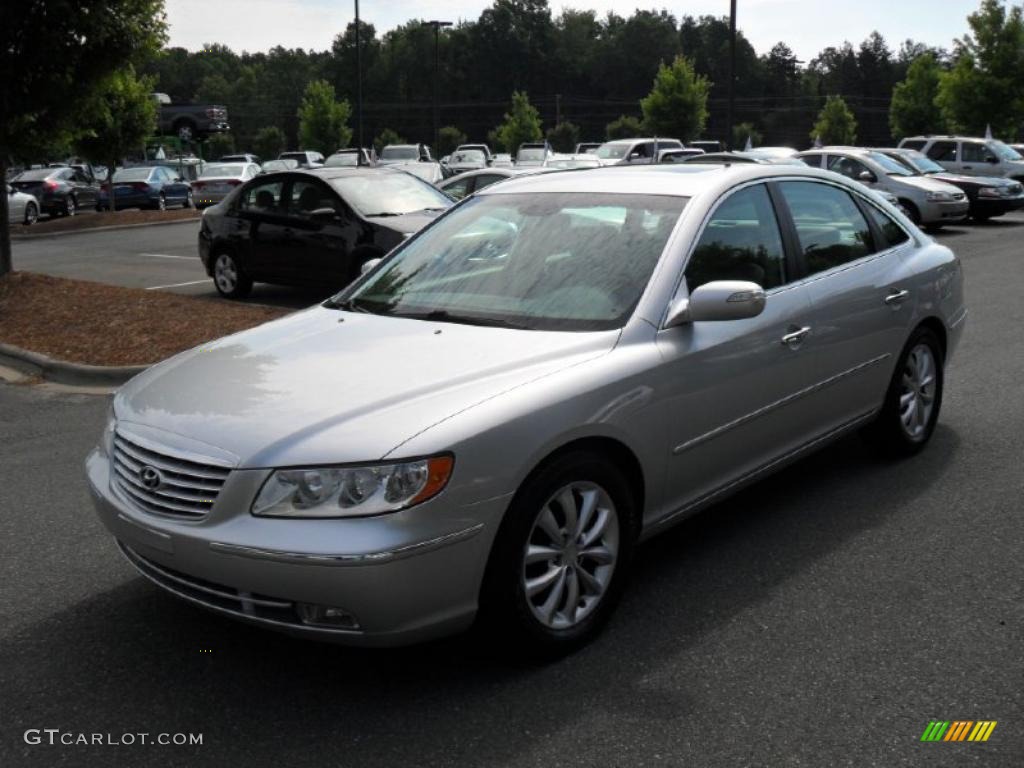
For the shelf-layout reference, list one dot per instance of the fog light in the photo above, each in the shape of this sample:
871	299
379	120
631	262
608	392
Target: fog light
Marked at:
327	616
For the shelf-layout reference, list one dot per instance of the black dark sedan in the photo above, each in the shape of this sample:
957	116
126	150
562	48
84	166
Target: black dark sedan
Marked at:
60	191
314	227
989	195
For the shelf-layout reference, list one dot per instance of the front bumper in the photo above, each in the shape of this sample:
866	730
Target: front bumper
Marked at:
996	206
944	212
403	577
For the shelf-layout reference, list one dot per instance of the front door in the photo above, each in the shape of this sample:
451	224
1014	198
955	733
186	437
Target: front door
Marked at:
319	244
261	231
734	387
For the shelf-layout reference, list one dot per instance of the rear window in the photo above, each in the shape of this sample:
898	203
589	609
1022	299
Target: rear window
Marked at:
222	170
37	175
133	174
892	233
913	144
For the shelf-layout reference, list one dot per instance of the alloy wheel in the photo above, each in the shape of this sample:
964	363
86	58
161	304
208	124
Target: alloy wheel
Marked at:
917	392
570	555
69	206
31	213
225	273
161	203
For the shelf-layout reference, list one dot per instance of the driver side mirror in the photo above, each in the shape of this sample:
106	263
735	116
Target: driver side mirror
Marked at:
867	177
991	159
716	301
325	215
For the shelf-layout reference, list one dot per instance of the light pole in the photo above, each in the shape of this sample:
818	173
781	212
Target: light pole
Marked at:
732	72
437	74
359	87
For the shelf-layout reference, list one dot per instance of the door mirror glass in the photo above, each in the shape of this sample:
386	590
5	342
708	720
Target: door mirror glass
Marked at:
717	301
867	177
367	266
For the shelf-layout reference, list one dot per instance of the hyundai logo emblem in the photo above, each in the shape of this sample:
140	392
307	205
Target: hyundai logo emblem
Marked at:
151	477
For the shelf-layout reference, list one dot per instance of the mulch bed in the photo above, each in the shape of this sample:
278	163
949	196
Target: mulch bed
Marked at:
90	220
99	324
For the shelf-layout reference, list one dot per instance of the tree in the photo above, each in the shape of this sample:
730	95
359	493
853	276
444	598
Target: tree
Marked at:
449	138
913	110
836	123
387	136
744	131
323	120
985	86
219	144
54	57
677	105
120	118
626	127
269	142
564	137
521	125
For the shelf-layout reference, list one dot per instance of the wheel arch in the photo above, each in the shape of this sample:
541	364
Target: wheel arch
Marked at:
936	326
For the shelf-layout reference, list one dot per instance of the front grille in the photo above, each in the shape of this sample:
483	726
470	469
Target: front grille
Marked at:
217	596
163	484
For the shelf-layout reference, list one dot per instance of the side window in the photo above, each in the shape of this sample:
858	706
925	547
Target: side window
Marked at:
892	233
974	152
262	198
848	167
812	160
308	196
913	144
943	151
830	227
485	180
740	242
458	189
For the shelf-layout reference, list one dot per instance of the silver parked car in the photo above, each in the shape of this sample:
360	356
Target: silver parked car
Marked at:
218	180
929	202
22	208
488	421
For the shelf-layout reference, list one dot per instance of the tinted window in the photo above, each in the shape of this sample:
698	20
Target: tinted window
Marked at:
830	227
812	160
892	233
546	261
974	152
485	180
309	196
262	198
913	144
133	174
741	242
458	189
943	151
848	167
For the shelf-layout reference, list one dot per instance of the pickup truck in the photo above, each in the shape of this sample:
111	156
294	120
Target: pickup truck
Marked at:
190	121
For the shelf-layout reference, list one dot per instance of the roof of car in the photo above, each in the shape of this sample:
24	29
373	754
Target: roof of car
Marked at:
685	180
337	172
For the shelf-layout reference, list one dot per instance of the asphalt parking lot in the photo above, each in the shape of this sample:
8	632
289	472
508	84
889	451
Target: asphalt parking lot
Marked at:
820	618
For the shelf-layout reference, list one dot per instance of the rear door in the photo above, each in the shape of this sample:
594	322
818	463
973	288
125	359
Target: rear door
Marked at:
851	253
318	245
86	192
944	152
976	159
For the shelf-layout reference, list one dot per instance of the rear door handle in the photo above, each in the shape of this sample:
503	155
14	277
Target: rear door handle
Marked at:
896	298
796	337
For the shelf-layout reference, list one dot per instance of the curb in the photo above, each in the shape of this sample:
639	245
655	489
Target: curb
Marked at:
62	372
114	228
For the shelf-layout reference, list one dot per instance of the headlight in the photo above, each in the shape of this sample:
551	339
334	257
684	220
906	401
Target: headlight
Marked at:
994	192
352	491
940	197
107	440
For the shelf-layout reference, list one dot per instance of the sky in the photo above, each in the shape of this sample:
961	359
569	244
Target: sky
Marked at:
807	26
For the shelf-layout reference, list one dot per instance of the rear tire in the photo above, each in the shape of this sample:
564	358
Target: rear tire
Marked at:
229	278
913	400
31	214
561	557
161	202
70	206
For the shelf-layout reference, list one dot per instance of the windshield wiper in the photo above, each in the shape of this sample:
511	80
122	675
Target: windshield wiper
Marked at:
383	214
444	316
348	305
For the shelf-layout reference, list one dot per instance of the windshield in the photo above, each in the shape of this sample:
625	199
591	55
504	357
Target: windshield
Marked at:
400	153
132	174
612	151
891	167
1004	151
469	156
221	170
539	261
389	194
342	160
531	154
920	163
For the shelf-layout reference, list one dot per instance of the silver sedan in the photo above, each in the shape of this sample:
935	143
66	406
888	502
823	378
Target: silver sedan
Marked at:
22	208
487	422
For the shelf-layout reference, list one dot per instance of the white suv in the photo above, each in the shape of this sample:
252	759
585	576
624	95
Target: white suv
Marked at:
970	156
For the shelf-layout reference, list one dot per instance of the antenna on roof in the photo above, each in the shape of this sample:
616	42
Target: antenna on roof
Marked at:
988	132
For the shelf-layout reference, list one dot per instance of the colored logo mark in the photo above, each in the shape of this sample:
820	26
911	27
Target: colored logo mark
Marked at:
958	730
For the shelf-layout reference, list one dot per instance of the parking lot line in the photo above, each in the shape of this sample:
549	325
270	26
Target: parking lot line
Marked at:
177	285
167	256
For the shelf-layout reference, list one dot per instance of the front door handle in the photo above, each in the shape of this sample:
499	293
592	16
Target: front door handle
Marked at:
796	337
896	298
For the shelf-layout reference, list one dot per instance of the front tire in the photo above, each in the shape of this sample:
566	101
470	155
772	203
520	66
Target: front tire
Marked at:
229	278
561	557
161	202
914	398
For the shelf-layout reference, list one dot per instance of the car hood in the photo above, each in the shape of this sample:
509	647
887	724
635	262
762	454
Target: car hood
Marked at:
325	386
926	183
407	223
976	181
